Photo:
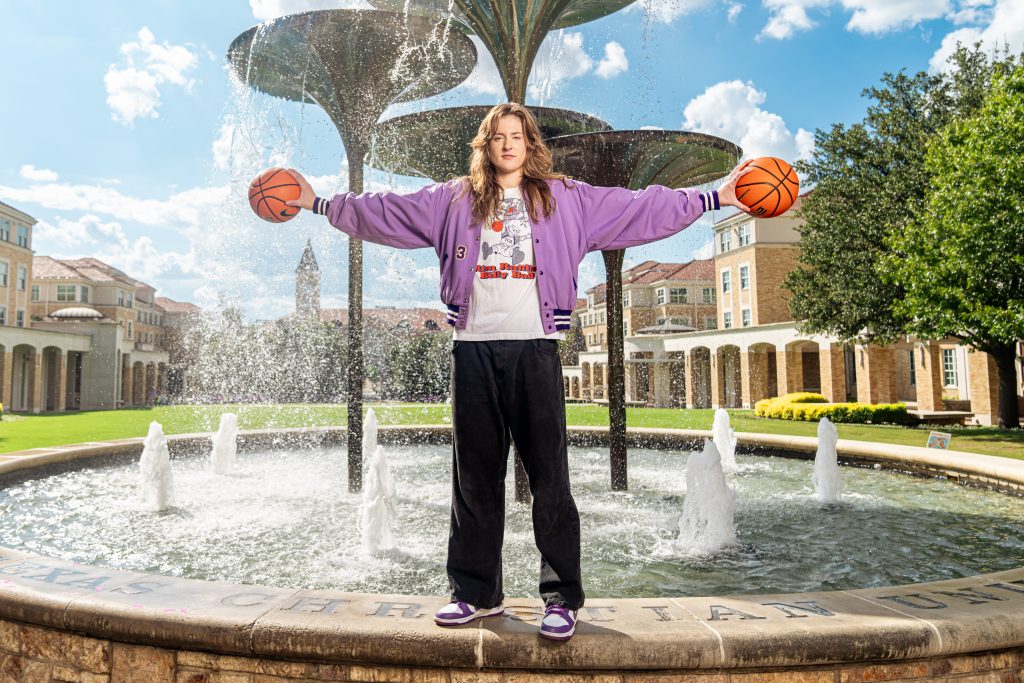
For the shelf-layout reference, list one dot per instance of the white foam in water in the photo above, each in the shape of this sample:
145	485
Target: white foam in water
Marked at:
725	440
379	513
369	435
225	444
156	486
707	524
826	464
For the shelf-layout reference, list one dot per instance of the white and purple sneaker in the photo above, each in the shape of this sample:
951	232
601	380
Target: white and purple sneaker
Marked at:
559	623
455	613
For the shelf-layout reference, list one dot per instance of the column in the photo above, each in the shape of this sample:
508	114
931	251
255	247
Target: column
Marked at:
833	373
127	382
783	371
928	375
690	380
983	387
36	400
875	374
660	385
60	367
7	379
717	379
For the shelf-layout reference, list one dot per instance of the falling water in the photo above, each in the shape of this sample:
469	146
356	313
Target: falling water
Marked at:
225	444
156	486
725	440
826	465
369	435
379	513
707	524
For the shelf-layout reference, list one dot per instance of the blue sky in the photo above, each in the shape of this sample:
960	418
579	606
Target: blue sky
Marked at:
124	135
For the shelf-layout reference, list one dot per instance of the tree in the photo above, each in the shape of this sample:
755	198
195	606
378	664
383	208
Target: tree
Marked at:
870	182
961	265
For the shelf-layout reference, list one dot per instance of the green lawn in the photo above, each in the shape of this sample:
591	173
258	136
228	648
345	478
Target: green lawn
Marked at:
18	432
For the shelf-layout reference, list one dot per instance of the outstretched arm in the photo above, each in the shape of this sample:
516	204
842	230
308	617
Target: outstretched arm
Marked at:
405	221
616	218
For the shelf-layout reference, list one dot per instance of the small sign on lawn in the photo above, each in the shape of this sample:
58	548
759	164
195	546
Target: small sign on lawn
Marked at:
939	440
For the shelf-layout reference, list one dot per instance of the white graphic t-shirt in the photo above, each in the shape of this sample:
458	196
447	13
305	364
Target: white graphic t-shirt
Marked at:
505	302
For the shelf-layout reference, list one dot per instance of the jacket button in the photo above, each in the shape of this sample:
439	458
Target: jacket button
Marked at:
537	241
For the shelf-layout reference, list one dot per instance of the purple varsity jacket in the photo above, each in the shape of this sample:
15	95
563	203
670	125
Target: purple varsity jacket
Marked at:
585	219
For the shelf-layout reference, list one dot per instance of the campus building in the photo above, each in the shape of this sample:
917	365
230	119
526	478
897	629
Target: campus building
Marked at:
755	350
74	333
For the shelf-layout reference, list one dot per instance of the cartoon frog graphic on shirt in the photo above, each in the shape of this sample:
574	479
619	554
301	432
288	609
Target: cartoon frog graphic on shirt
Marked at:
514	230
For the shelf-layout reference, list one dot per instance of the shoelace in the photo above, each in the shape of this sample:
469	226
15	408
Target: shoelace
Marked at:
557	609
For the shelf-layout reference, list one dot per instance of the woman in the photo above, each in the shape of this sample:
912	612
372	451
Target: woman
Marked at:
510	238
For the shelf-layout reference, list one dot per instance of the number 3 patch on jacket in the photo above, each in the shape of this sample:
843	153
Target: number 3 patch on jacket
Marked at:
460	252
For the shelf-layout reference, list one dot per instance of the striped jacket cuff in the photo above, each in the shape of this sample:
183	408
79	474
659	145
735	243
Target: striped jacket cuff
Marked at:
320	206
709	200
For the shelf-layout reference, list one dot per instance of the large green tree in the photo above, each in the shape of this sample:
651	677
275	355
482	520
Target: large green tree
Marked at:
961	265
870	182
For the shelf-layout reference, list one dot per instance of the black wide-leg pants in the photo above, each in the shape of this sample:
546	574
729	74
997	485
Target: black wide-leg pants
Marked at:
502	390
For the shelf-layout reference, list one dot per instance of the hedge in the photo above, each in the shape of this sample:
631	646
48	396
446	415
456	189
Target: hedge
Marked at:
810	407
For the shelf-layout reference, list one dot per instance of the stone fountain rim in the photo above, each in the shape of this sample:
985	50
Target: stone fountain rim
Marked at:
714	632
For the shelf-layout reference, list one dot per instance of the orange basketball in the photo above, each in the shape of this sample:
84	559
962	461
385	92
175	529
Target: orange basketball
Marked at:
769	189
268	193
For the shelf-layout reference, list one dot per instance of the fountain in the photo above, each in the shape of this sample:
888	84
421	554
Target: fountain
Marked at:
156	485
225	444
725	439
827	484
379	513
707	525
798	591
635	159
353	64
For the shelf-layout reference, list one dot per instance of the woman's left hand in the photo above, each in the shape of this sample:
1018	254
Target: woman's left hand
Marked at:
727	192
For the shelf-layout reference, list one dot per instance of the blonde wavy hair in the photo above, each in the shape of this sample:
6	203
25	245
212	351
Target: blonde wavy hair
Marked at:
482	179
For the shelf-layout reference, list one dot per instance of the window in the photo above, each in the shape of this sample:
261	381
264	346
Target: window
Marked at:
745	317
727	320
677	295
625	299
625	328
128	299
3	315
681	321
744	277
913	370
726	282
5	230
85	294
602	337
20	319
725	241
708	295
710	323
138	316
35	292
22	278
129	330
3	273
120	297
66	292
661	321
659	297
744	234
23	236
949	367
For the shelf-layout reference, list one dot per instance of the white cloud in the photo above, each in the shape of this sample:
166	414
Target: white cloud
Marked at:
732	110
786	17
882	16
67	233
734	12
651	128
30	172
614	62
560	58
133	90
271	9
667	11
1000	25
221	147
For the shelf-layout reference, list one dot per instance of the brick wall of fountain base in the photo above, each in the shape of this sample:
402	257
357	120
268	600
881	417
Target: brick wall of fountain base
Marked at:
38	655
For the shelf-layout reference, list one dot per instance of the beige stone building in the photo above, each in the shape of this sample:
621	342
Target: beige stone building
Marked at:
74	333
757	350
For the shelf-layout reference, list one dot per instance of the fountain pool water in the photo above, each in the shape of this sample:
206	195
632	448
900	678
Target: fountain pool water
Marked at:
155	482
286	518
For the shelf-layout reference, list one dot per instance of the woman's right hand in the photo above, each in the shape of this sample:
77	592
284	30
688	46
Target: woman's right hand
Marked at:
306	195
